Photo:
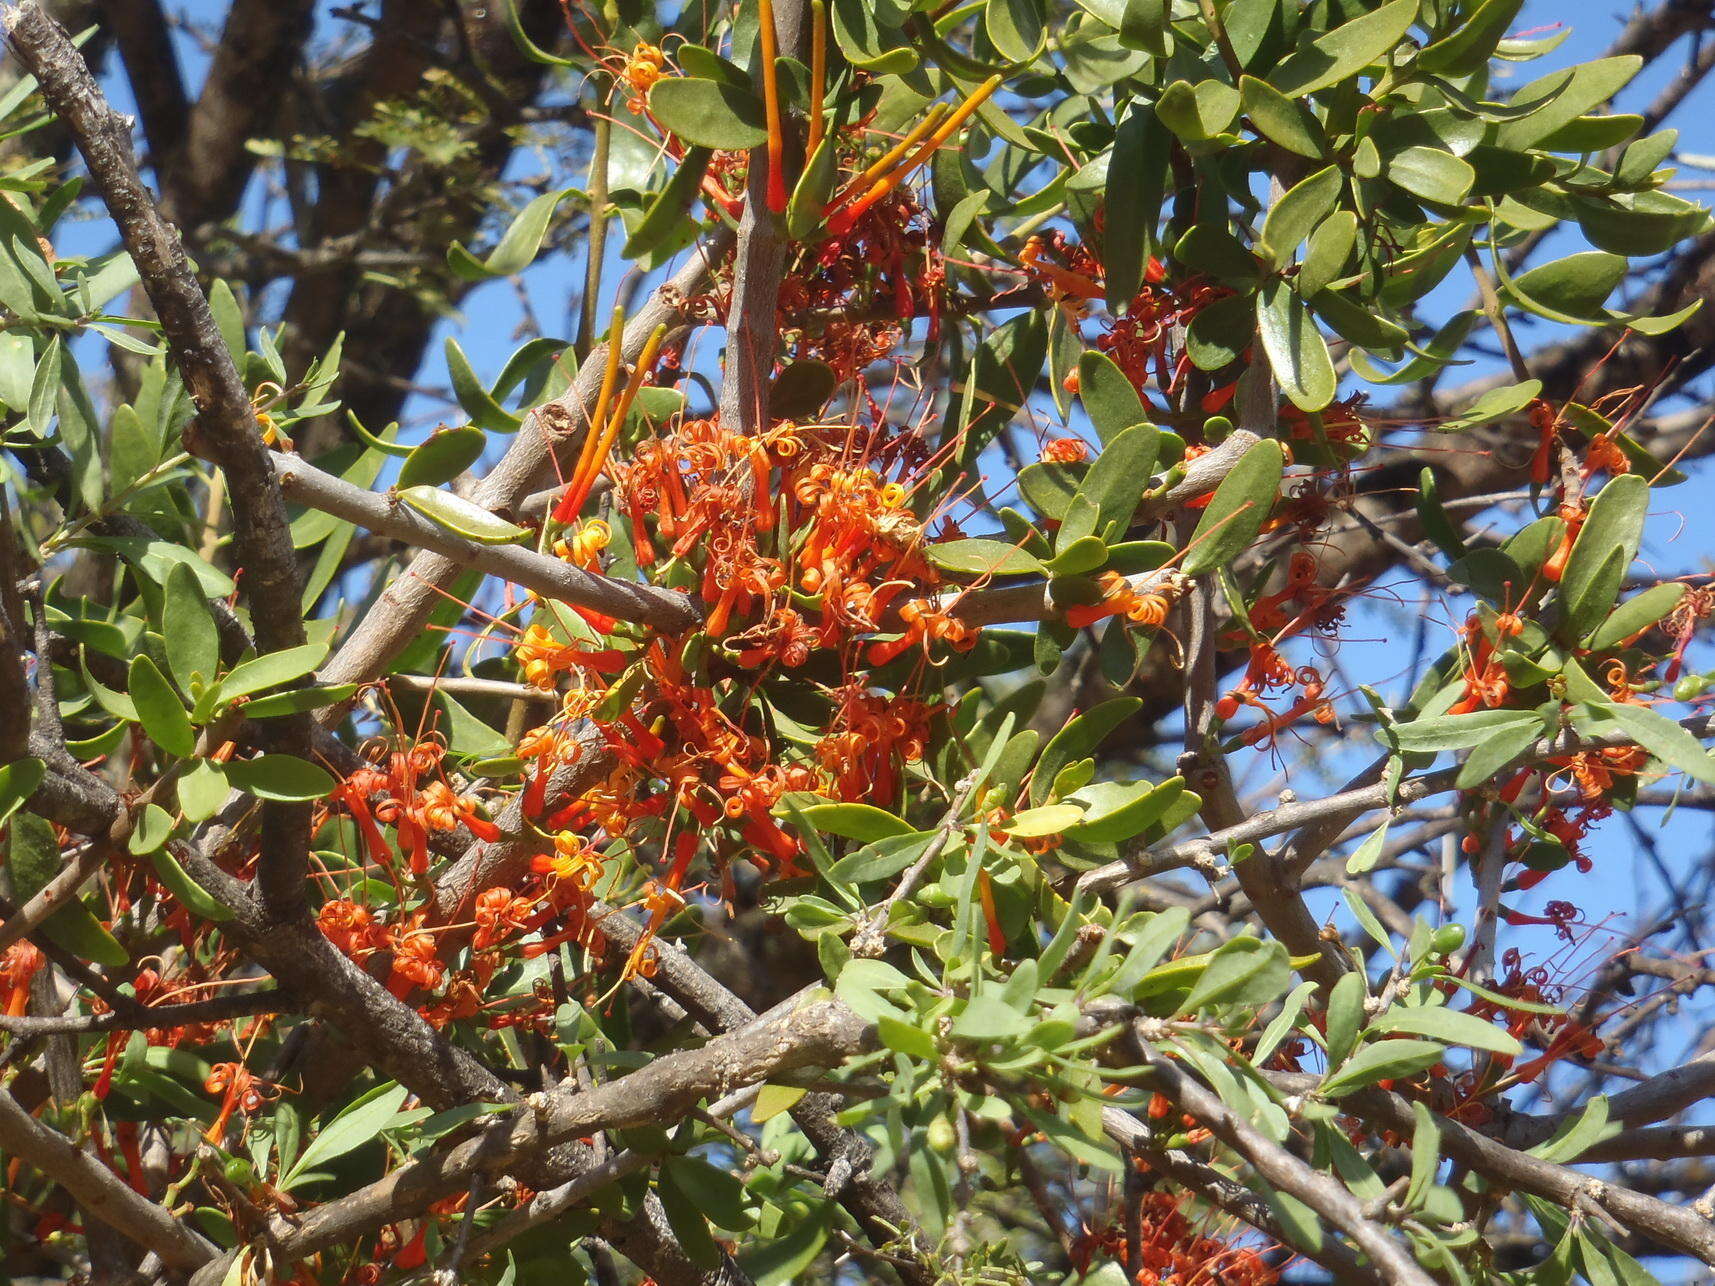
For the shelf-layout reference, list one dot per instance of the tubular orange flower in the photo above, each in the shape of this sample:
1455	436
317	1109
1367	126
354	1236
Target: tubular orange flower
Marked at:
770	54
570	502
818	73
845	217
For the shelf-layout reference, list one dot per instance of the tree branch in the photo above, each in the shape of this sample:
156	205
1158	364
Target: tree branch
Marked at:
225	421
821	1033
271	1000
1322	1192
387	515
98	1190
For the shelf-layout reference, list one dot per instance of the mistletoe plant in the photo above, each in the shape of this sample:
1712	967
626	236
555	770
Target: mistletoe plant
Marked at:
378	850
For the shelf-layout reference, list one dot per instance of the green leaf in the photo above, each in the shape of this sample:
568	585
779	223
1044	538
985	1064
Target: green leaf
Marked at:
44	389
1282	120
1425	1155
1345	1016
1659	735
1457	731
986	1018
1017	28
1367	854
358	1124
1221	332
1049	488
1496	404
1640	223
178	881
280	777
1564	96
271	669
1243	971
1135	181
18	781
1440	352
1295	347
1612	530
1328	252
1578	1134
855	821
1637	613
801	389
1143	24
462	517
1116	481
881	859
228	318
1593	133
772	1100
1076	740
202	790
718	1194
788	1256
1283	1023
442	456
1237	510
1345	51
476	401
1382	1061
151	830
707	113
1049	819
814	188
187	627
1359	324
1084	554
671	206
1291	219
533	52
1431	175
159	710
980	557
1496	752
1200	112
518	245
1449	1027
1570	290
1472	42
1432	517
1110	399
1118	811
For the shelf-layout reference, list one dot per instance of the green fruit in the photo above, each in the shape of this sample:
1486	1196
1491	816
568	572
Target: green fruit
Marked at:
942	1136
1447	939
1690	687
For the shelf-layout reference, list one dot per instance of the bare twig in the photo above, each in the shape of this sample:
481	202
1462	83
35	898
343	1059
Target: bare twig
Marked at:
140	1017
